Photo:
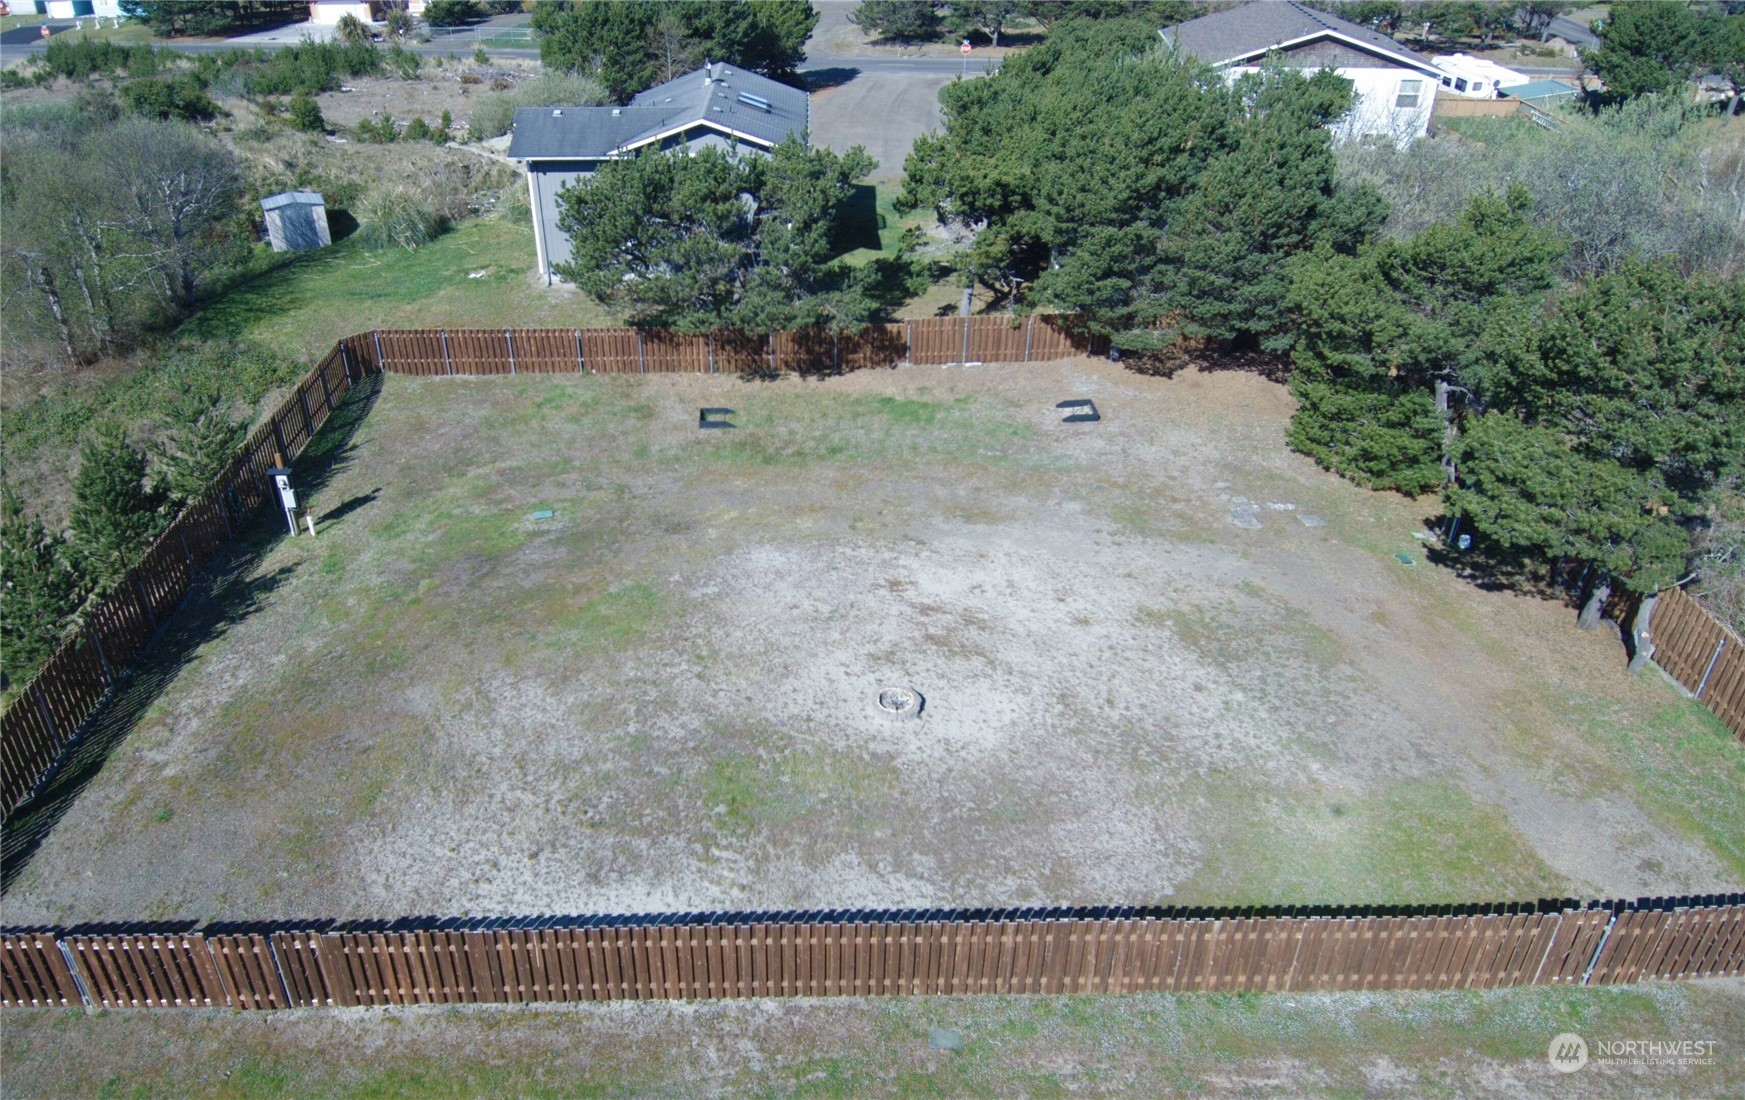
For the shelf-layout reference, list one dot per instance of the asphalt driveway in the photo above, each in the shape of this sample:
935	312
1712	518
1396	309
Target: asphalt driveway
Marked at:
883	111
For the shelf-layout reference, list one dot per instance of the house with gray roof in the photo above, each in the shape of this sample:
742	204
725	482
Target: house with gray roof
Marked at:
1395	87
718	105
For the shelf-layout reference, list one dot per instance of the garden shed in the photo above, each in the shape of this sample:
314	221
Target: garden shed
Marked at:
296	221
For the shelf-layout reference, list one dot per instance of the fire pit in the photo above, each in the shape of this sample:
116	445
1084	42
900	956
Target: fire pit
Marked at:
900	702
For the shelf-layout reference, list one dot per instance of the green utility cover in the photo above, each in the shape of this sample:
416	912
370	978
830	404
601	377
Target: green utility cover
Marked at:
544	513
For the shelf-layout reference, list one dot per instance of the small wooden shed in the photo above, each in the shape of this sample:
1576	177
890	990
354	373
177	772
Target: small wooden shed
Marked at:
296	221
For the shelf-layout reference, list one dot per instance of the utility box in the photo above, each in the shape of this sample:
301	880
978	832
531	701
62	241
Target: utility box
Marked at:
296	221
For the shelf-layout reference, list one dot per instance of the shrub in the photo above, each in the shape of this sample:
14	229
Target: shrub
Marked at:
351	30
417	130
179	98
403	61
496	111
306	114
481	57
81	58
381	131
397	217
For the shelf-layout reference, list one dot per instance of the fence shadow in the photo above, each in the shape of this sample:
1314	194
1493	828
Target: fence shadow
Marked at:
227	592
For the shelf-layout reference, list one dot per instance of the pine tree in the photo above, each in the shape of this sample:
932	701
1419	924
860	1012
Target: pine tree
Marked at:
38	590
306	114
200	438
114	514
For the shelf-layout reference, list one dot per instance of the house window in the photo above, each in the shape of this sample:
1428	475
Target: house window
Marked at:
1408	96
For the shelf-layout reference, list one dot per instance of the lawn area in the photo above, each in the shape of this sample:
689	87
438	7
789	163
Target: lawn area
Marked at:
302	303
1356	1044
660	696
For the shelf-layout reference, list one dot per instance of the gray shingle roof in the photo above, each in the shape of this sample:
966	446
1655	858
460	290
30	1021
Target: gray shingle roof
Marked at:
1573	33
1237	34
590	133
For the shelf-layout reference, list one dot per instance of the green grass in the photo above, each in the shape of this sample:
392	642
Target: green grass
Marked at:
1431	1044
873	228
308	300
1424	840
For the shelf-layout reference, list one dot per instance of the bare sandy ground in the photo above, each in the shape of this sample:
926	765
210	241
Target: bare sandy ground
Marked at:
662	698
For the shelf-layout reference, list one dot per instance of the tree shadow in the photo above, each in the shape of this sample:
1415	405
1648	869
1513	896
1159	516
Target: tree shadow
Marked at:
858	221
818	80
227	591
346	508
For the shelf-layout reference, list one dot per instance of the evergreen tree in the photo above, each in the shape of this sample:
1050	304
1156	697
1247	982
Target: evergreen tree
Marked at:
305	114
39	592
114	515
716	240
1612	426
899	20
1647	46
1272	197
199	439
1377	332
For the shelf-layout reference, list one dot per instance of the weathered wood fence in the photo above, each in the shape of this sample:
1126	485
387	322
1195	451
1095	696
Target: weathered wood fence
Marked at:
52	710
873	953
1701	654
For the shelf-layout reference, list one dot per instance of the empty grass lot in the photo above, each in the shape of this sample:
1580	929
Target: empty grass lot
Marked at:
661	697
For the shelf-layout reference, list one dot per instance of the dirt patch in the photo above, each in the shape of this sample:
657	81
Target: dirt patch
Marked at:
661	696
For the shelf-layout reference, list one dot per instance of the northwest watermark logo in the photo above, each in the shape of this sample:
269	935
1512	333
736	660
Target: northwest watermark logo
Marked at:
1568	1052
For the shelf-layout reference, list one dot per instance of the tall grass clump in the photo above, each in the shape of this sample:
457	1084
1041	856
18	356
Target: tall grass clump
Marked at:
398	217
496	110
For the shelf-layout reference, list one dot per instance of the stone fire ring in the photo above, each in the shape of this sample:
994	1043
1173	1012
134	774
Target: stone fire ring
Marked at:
899	702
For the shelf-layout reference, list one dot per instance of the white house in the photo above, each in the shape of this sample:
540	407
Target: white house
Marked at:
328	12
1396	88
716	105
1476	77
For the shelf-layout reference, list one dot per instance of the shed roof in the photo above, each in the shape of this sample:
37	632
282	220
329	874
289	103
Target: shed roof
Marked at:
751	107
1251	30
292	198
1538	89
1572	32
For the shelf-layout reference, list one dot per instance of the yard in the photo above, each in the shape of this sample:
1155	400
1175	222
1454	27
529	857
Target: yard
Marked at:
1352	1044
661	697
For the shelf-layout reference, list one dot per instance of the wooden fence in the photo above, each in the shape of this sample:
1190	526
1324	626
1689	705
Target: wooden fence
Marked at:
46	716
931	341
53	708
875	953
1701	654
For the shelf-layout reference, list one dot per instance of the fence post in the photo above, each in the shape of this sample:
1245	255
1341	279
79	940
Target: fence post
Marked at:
836	347
102	658
192	569
447	360
42	709
345	361
78	978
326	392
772	353
641	359
224	514
381	360
581	363
278	436
1029	327
145	598
711	351
509	335
909	341
1707	672
965	359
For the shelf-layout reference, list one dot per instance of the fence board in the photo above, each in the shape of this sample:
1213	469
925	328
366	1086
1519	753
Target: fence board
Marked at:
34	973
